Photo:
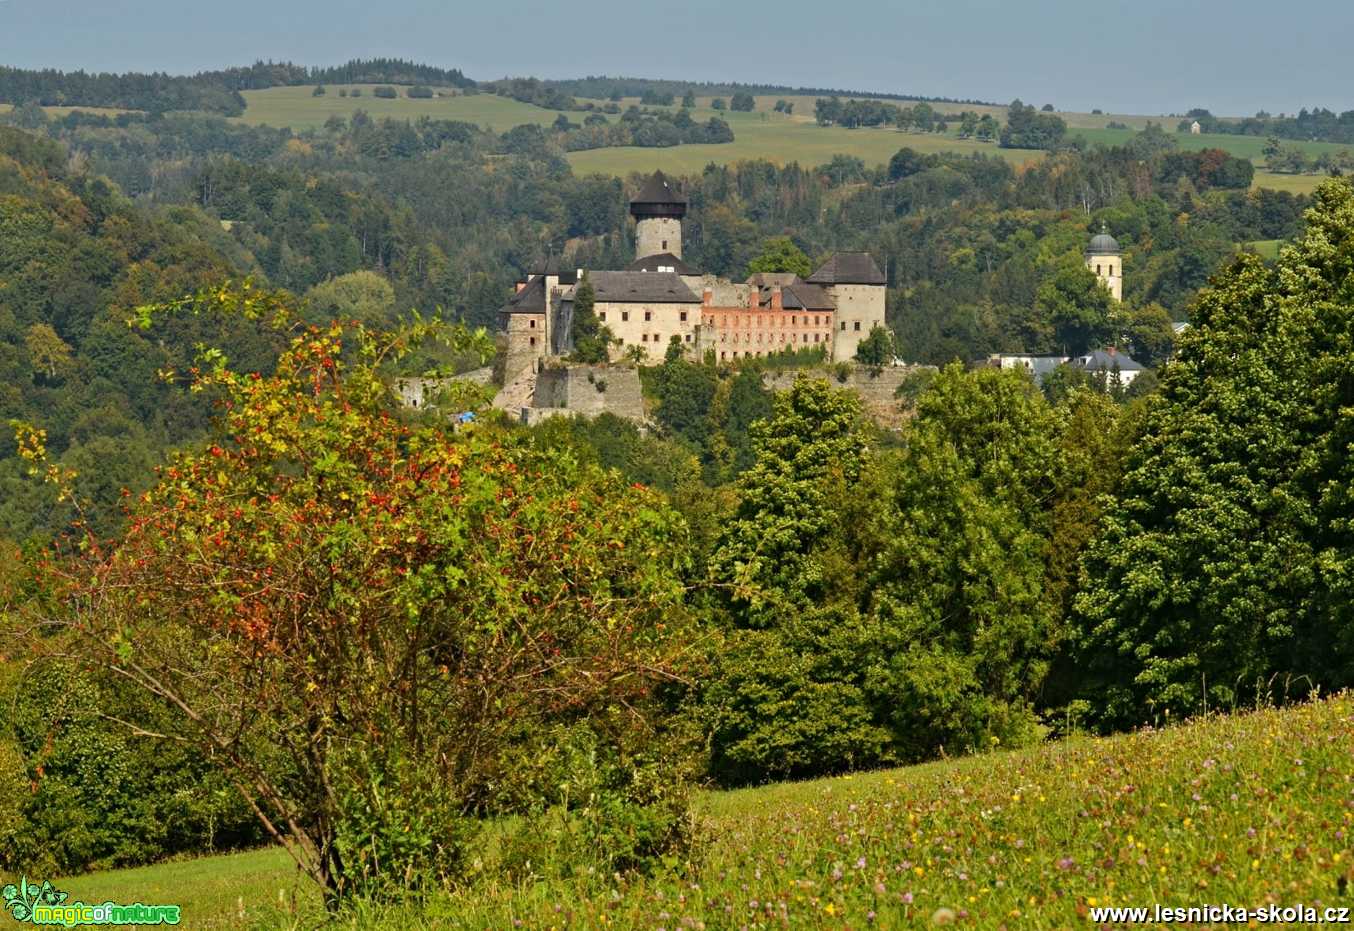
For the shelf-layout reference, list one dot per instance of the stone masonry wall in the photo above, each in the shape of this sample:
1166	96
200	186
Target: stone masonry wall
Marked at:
588	390
877	387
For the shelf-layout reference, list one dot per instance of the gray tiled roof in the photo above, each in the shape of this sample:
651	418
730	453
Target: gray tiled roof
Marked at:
530	300
796	295
1103	361
641	287
848	268
658	190
553	265
652	263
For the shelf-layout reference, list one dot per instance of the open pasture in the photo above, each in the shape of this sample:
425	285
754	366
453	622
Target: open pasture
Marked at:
298	108
1251	809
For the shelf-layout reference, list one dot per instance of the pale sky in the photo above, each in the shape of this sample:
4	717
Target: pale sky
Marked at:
1145	56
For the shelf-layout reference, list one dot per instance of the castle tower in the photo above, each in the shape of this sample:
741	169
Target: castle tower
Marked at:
658	210
1106	259
858	290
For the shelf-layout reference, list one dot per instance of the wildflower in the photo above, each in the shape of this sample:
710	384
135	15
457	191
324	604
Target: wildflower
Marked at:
1066	863
943	916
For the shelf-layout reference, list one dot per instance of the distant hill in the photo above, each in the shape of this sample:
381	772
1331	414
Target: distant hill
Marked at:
210	91
602	87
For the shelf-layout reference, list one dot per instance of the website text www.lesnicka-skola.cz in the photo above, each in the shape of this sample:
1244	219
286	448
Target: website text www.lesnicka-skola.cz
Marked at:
1226	914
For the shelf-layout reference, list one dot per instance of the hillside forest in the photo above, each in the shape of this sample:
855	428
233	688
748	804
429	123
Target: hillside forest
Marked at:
247	598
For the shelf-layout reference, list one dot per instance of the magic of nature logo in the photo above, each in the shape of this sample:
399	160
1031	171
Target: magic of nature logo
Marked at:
30	903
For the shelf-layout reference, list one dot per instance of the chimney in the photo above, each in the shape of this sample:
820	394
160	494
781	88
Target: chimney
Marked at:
708	297
520	286
777	300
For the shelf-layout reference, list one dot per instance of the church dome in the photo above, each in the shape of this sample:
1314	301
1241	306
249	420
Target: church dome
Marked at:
1102	243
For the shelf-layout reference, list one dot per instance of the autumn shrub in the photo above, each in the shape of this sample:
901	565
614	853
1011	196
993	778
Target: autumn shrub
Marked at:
359	619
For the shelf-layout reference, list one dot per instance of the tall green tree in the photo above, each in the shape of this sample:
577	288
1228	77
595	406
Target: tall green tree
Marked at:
780	254
592	339
1078	306
1224	566
961	586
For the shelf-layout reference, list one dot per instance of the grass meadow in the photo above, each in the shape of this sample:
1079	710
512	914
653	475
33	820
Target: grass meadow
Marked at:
761	134
298	108
1249	809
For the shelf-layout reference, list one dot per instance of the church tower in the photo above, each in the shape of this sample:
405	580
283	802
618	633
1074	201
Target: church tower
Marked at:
1106	259
658	210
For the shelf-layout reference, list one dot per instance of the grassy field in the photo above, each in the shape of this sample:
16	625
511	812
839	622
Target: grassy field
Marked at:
1249	809
781	140
1250	147
761	134
298	108
1267	249
58	112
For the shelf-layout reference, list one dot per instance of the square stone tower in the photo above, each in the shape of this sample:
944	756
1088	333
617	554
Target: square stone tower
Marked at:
658	210
857	288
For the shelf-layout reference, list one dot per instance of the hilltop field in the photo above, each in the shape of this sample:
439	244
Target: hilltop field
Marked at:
762	133
1249	809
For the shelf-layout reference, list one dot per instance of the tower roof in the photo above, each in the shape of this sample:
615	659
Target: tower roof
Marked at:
1102	243
848	268
529	300
658	198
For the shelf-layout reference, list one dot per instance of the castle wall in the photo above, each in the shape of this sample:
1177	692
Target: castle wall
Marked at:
877	387
586	390
860	308
658	234
649	326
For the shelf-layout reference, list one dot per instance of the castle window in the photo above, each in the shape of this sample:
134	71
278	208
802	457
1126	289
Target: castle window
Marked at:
843	326
665	245
625	316
815	323
602	317
815	337
688	337
533	341
723	356
532	323
1097	269
683	316
857	326
648	315
644	338
794	321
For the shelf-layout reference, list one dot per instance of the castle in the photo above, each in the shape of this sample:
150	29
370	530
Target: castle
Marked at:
659	298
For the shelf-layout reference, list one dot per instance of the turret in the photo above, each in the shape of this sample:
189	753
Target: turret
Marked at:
1106	260
658	210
